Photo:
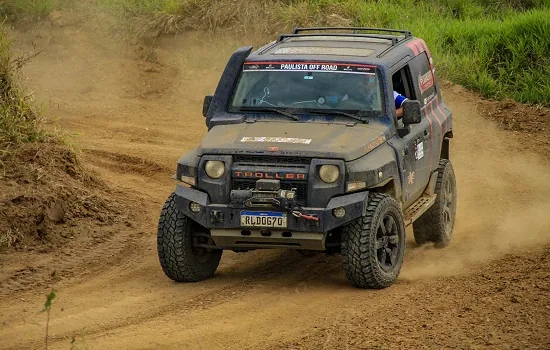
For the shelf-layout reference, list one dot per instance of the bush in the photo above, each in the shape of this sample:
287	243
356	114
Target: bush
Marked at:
20	122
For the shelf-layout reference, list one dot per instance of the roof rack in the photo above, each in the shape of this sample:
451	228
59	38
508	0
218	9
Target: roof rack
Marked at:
393	38
406	33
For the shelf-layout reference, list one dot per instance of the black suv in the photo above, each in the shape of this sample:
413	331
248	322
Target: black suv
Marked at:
305	150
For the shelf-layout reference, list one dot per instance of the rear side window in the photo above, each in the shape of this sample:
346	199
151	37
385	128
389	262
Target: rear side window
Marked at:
423	78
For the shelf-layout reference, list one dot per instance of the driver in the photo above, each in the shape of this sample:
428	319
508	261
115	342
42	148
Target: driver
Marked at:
368	93
399	99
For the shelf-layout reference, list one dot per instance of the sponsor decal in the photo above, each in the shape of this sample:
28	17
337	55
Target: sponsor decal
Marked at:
411	177
310	66
375	143
419	151
276	140
429	98
425	81
279	175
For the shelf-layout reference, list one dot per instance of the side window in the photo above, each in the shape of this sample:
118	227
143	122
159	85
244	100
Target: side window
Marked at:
423	79
402	83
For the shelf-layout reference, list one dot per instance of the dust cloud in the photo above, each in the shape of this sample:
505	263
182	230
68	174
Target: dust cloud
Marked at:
503	198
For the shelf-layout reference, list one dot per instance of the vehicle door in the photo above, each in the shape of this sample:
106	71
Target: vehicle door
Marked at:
416	146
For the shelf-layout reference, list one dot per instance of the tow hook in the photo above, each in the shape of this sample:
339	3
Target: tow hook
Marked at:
297	214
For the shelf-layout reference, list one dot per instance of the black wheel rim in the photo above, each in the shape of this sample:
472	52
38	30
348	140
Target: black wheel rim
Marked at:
448	206
387	243
202	254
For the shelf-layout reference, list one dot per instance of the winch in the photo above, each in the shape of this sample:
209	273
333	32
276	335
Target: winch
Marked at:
267	194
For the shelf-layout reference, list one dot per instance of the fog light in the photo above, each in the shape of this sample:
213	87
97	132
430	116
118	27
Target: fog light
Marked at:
339	212
194	207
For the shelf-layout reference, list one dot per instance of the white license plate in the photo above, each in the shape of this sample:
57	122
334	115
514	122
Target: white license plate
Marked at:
263	219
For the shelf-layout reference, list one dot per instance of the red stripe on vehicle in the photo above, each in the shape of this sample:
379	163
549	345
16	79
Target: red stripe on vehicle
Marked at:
419	46
430	59
413	48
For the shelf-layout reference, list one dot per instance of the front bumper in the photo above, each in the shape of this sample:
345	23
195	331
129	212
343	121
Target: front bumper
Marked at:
225	220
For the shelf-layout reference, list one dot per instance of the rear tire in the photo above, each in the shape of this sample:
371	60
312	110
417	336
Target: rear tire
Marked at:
180	259
373	246
437	224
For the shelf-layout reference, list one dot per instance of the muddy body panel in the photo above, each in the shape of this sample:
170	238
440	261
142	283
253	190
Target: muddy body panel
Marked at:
335	140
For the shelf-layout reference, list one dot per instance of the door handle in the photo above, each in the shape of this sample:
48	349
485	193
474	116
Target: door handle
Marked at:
426	134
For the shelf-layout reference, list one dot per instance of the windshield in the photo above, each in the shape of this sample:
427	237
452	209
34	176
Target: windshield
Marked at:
309	86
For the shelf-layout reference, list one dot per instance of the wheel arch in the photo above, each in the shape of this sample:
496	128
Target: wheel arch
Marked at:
446	145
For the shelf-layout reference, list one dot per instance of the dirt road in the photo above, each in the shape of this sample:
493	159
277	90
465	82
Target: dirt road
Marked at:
489	289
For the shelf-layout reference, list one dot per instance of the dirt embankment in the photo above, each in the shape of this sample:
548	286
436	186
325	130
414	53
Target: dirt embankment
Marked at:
489	289
46	193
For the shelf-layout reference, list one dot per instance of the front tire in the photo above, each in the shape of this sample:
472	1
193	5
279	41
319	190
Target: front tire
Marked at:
436	225
177	236
373	246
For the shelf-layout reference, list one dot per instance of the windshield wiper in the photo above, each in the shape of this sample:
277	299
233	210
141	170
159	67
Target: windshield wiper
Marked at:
345	114
252	109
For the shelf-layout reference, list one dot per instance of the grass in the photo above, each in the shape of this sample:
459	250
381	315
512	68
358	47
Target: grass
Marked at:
10	238
27	8
20	122
500	58
499	48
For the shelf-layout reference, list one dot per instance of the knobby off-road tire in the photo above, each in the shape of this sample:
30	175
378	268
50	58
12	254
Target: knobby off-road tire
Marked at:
180	261
373	246
437	224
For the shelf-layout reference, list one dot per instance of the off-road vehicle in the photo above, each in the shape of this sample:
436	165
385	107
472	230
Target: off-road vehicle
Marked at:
305	151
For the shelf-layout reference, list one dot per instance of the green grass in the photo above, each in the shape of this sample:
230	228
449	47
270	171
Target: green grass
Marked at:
20	122
499	48
27	8
500	58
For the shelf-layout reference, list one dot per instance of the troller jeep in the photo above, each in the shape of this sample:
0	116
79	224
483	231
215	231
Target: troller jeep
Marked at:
307	149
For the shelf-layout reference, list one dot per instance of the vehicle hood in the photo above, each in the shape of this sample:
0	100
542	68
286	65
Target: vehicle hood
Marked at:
316	140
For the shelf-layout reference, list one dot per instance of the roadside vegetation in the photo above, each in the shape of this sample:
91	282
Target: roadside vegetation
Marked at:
20	121
42	182
498	48
28	9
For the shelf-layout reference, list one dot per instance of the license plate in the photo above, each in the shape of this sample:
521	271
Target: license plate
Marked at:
263	219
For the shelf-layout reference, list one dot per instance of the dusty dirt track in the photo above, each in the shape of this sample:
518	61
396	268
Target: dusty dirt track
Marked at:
489	289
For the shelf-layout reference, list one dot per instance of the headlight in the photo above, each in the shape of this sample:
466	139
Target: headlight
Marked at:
214	168
329	173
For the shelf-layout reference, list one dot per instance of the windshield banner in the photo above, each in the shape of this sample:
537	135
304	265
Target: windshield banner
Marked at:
310	66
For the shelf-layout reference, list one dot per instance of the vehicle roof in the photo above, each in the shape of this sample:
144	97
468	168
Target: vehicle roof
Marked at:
376	49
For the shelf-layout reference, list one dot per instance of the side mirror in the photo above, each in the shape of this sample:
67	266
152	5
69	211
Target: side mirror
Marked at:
206	104
411	112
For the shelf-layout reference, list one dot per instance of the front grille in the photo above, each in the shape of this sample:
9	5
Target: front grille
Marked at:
300	186
270	160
